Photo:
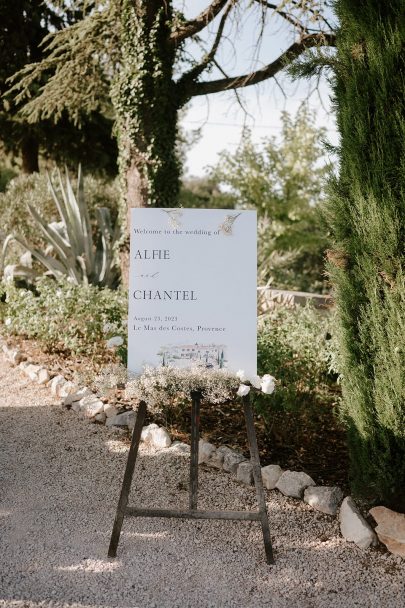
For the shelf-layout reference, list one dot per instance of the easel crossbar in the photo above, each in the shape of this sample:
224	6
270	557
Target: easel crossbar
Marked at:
237	515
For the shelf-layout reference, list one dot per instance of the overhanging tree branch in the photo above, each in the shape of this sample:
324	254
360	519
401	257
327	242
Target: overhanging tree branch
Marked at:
192	27
270	70
282	14
192	75
318	16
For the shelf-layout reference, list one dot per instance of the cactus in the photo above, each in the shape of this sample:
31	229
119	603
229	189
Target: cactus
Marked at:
71	251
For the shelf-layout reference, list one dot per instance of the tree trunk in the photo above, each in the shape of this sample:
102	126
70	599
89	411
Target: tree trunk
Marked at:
29	153
147	110
366	217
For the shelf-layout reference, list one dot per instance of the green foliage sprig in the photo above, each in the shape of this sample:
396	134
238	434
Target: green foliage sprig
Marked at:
63	315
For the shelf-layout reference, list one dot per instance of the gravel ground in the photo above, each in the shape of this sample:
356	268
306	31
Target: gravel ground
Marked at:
60	480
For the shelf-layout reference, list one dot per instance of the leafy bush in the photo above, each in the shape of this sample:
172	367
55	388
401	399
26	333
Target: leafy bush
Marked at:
71	249
63	315
6	175
283	179
33	190
297	345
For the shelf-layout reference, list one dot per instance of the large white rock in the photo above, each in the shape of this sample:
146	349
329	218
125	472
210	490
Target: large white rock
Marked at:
205	451
32	372
354	527
56	384
390	529
146	434
232	459
77	396
270	475
160	438
180	447
43	376
90	406
293	483
244	473
14	356
66	389
324	498
110	410
209	455
122	420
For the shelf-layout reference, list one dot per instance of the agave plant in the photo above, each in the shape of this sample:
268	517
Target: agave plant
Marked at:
71	250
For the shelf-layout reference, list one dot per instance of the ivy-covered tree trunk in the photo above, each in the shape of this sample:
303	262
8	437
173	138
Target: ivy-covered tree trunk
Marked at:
366	214
146	106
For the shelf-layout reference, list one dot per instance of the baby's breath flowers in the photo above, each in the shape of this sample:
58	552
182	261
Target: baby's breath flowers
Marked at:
160	385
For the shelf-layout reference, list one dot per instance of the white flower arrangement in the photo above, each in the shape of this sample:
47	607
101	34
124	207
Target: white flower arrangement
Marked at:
159	385
266	384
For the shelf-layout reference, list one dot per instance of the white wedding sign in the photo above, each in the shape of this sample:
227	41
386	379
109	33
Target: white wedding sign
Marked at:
192	289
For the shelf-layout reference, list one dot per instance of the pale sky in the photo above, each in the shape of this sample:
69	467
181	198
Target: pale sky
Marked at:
219	115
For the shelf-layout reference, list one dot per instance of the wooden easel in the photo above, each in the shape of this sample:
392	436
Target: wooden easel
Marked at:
193	513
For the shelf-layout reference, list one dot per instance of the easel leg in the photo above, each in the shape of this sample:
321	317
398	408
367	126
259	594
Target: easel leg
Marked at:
195	435
126	484
257	476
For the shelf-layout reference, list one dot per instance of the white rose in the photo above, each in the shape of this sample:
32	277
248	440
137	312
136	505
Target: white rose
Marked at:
268	384
256	381
241	375
243	390
115	341
267	378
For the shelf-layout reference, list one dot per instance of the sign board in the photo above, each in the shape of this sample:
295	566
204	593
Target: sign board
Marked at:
192	289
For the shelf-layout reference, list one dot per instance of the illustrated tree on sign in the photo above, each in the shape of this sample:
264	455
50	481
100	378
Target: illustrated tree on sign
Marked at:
138	52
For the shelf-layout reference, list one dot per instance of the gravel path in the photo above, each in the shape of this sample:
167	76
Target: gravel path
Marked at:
60	481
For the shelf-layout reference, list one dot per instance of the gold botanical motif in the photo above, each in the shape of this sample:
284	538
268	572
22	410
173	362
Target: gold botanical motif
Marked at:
174	216
227	224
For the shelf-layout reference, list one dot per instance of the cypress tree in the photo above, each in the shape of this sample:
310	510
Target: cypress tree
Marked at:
365	214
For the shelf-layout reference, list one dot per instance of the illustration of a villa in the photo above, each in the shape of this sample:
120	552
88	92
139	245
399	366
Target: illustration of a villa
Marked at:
211	356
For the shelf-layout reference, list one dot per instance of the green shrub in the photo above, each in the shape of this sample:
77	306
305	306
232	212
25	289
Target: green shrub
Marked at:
365	216
6	175
296	346
33	189
63	315
75	247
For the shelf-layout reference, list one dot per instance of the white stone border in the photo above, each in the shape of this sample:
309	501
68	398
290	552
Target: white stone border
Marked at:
299	485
